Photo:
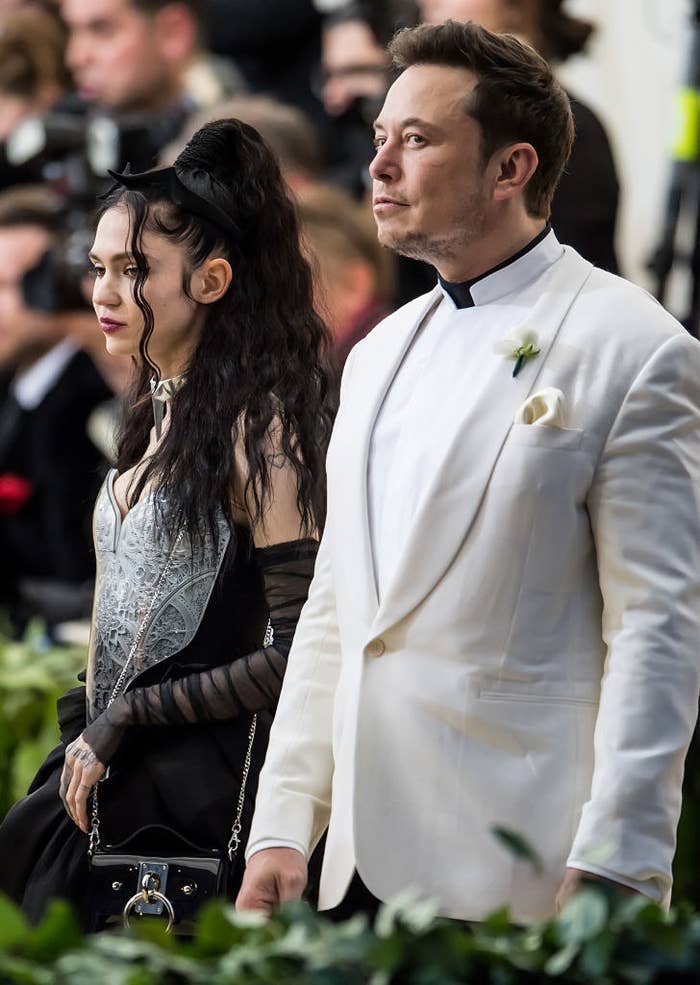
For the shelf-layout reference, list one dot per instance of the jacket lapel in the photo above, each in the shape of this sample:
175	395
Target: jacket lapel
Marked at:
455	491
353	438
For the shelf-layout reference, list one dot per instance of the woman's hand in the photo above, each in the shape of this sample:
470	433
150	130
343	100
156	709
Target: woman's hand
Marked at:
81	771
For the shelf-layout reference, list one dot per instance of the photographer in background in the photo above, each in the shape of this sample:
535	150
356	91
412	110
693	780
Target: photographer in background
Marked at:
142	65
353	80
33	77
49	469
32	71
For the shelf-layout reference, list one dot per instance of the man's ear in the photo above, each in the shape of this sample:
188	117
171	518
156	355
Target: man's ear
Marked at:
515	166
210	282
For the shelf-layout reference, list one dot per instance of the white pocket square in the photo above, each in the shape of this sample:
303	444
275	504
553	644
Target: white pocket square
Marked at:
546	407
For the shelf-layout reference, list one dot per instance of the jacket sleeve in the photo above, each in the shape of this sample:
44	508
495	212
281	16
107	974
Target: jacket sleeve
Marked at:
294	789
293	803
645	514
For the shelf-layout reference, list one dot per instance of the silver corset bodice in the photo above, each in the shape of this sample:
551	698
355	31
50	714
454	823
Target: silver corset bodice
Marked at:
131	560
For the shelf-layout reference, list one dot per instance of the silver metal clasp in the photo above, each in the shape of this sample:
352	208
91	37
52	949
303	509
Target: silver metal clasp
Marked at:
152	879
151	898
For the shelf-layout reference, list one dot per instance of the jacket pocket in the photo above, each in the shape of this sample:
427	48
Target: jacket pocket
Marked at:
545	436
535	698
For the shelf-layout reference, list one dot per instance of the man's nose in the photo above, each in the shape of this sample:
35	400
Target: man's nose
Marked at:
384	165
77	52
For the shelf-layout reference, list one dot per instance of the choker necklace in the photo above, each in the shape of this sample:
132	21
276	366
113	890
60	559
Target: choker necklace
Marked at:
161	393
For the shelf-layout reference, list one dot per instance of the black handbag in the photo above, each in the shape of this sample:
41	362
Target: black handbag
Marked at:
156	870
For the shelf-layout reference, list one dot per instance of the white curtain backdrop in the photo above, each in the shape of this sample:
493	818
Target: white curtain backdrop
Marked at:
628	76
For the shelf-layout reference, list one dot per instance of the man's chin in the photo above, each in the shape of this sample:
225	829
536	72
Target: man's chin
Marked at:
406	246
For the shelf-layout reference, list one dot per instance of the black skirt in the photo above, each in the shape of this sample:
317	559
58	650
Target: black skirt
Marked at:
184	778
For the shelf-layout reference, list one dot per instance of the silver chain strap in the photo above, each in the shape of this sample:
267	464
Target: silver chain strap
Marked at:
119	686
234	842
94	842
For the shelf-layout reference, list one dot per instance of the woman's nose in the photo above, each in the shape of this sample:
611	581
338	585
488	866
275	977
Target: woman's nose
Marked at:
104	292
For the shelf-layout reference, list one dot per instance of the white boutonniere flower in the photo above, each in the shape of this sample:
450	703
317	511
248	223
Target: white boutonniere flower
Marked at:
520	345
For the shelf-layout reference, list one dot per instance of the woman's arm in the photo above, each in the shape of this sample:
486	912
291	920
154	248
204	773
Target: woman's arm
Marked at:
247	684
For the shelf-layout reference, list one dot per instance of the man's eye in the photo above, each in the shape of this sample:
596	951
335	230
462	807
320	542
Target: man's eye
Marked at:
379	142
415	138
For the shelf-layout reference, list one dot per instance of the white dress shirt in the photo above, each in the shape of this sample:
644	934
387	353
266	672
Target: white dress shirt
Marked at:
453	350
31	385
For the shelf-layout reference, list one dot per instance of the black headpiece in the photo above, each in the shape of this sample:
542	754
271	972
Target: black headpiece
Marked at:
188	188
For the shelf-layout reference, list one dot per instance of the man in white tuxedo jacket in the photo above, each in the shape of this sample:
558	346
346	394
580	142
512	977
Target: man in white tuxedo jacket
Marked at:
504	625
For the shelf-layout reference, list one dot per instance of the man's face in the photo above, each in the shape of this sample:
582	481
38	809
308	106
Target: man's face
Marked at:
114	54
431	190
491	14
24	333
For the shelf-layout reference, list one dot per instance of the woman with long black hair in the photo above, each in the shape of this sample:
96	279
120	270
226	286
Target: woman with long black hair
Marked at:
205	533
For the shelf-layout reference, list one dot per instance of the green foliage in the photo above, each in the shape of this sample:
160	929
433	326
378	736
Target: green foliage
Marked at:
32	676
598	939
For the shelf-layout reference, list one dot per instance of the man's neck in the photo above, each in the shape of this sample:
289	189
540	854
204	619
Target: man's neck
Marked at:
492	249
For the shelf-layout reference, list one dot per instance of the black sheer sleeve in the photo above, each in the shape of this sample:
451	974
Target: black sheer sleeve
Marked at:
250	683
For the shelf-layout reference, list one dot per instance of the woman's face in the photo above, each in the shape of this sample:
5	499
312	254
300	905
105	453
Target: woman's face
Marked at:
177	319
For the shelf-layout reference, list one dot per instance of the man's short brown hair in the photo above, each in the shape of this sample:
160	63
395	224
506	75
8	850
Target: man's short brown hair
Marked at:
516	97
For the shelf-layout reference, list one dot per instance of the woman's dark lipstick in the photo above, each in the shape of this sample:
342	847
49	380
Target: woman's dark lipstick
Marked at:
109	325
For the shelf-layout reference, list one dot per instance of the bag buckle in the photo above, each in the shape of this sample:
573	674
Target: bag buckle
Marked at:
151	898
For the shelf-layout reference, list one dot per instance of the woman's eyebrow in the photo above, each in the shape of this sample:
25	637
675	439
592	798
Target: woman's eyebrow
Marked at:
113	259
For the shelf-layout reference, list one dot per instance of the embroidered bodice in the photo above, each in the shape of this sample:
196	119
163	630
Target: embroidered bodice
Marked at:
143	580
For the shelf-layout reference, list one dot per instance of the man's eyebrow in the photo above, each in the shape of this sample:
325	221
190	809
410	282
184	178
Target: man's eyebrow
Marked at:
411	121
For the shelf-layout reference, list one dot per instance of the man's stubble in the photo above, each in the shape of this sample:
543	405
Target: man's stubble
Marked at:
466	229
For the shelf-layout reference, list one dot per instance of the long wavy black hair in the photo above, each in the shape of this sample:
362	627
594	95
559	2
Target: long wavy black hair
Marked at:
262	362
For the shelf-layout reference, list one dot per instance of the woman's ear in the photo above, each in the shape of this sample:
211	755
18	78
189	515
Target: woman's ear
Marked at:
211	281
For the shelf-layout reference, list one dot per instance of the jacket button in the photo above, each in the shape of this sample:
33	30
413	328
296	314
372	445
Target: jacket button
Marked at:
376	648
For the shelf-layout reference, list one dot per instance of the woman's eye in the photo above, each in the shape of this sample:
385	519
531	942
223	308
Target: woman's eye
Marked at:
96	271
131	271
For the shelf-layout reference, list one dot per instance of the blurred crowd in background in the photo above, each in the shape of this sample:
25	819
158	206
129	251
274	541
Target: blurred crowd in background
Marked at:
89	85
92	85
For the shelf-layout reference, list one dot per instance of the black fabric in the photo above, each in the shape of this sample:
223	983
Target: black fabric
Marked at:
357	899
584	210
50	536
192	190
460	292
186	777
275	43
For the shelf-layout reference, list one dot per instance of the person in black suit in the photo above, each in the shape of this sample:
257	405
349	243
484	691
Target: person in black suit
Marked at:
49	469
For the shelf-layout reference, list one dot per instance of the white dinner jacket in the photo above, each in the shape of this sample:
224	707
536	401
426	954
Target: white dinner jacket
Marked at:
534	663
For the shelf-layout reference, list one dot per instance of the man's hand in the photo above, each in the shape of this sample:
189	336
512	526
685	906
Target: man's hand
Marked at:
572	883
272	876
81	771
